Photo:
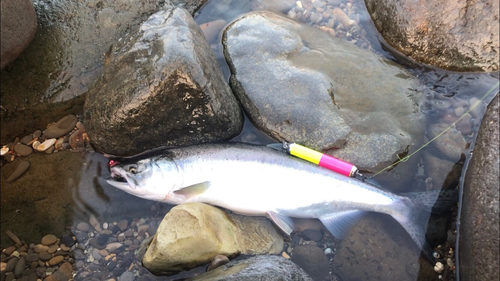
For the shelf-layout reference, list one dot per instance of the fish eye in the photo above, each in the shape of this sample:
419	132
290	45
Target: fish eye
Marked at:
132	169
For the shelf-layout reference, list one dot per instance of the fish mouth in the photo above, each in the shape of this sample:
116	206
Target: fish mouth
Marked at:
117	180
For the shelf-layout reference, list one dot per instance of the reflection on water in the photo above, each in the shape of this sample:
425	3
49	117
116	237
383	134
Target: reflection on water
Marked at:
48	202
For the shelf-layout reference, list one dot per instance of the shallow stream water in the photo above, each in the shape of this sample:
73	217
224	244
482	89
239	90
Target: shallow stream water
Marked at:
82	190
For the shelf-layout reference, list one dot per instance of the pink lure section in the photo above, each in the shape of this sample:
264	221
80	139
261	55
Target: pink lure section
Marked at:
336	165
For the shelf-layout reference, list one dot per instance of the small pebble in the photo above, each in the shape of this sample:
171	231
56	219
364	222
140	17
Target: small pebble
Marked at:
83	226
285	255
55	260
49	239
439	267
22	149
13	237
46	145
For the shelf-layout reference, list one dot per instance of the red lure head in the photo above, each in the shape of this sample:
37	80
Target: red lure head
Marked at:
112	163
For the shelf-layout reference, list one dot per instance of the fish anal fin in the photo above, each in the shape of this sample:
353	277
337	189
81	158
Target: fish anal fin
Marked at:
338	223
193	191
283	222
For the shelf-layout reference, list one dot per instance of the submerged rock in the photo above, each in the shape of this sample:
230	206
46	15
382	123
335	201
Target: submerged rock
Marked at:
161	87
18	29
259	268
193	234
305	86
377	248
454	35
479	223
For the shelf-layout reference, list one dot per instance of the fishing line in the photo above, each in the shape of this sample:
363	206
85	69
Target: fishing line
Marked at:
404	159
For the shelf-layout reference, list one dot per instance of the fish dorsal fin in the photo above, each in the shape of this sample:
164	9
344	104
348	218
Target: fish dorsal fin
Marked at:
283	222
338	223
194	190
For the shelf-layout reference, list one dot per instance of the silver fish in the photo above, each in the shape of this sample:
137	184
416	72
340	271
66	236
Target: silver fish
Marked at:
260	181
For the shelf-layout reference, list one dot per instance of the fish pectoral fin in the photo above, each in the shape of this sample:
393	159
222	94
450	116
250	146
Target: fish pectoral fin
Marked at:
283	222
339	222
193	190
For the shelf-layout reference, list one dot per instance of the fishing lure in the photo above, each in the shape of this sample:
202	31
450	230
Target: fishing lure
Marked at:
321	159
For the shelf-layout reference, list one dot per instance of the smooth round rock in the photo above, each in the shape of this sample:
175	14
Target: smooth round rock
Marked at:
83	226
11	264
55	260
37	134
23	149
68	240
45	256
39	248
31	258
20	266
53	249
21	168
27	139
49	239
61	127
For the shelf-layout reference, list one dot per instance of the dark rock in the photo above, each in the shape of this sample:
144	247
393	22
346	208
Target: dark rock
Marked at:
479	222
118	271
81	237
466	39
9	277
312	234
20	266
22	149
79	255
18	29
161	87
312	260
40	271
14	238
102	239
11	264
67	240
95	243
127	276
376	248
44	256
9	250
33	277
61	127
437	228
27	139
257	268
278	82
31	258
64	273
21	168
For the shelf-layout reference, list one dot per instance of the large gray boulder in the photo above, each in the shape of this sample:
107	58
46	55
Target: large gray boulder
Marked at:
479	222
307	87
50	77
18	29
455	35
259	268
162	86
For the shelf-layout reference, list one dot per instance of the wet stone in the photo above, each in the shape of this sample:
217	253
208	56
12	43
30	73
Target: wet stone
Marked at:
11	264
83	226
81	237
60	253
22	149
55	260
49	239
53	249
127	276
102	239
20	266
21	168
40	272
44	256
95	244
67	240
123	224
33	277
313	234
79	264
61	127
79	255
96	255
10	277
9	250
31	258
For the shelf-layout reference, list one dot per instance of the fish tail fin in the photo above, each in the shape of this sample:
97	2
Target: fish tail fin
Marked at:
416	210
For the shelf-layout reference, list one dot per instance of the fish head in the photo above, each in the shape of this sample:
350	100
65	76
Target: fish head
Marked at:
148	178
